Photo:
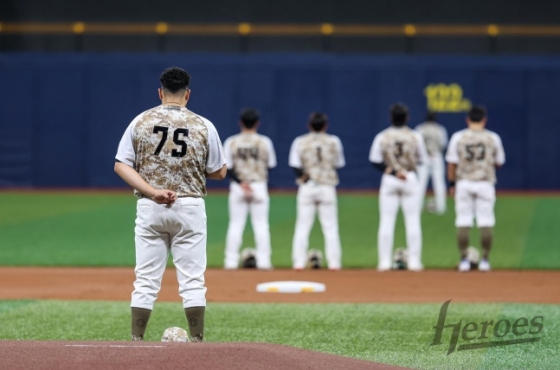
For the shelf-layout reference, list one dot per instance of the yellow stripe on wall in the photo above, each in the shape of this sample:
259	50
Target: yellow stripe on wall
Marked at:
294	30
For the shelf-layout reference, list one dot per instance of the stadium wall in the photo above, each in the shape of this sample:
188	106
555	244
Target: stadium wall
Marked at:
62	115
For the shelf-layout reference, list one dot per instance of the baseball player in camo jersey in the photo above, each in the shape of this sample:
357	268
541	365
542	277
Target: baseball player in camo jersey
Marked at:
249	157
315	157
397	151
435	139
473	156
166	154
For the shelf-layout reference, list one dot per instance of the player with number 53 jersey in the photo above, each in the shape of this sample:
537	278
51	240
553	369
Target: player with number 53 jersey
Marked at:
473	156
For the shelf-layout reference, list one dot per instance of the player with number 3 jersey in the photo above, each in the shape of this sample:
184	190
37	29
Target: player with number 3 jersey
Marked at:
397	151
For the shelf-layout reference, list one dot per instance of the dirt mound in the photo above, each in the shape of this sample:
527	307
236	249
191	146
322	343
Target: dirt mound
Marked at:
19	355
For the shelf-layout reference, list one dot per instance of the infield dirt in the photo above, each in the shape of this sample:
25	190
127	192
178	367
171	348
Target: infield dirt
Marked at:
360	286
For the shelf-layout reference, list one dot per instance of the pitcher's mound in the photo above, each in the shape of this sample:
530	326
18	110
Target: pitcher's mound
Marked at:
19	355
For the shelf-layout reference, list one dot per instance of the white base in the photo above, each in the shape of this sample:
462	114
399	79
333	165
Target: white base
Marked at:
291	287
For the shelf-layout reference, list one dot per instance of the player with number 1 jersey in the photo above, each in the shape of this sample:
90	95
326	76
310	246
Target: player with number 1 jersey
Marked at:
315	157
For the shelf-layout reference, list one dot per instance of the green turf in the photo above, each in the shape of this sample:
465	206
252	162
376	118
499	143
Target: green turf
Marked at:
399	334
96	229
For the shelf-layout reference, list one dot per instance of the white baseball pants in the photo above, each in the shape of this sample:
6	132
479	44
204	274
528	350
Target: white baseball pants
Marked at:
395	193
311	198
435	168
239	209
181	230
474	200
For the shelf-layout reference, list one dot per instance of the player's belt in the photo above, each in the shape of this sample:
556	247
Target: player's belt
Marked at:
178	196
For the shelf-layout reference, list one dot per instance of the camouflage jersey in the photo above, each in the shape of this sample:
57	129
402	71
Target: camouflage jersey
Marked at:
476	154
399	148
172	148
435	137
250	155
319	155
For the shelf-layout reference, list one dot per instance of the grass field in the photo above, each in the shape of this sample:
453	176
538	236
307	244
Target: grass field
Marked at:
398	334
96	229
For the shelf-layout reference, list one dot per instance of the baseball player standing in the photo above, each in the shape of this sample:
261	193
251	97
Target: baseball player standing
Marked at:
473	156
315	157
396	151
166	154
249	156
435	140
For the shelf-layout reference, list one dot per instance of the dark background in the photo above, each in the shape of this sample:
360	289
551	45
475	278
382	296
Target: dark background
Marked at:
66	99
543	12
286	11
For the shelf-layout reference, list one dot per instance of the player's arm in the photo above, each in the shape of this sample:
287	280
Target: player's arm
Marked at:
218	175
422	151
133	178
452	159
216	164
500	153
228	151
124	167
295	163
452	173
340	160
444	138
271	154
376	157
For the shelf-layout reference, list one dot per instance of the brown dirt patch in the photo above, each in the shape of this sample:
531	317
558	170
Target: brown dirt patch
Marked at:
127	355
358	286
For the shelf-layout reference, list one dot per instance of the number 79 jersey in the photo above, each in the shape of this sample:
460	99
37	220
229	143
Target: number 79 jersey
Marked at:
319	155
476	154
172	148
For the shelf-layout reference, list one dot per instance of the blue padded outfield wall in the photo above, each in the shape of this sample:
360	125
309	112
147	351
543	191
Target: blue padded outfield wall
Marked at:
62	116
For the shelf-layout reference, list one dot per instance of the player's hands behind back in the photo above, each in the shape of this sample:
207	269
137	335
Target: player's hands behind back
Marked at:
247	190
164	196
399	174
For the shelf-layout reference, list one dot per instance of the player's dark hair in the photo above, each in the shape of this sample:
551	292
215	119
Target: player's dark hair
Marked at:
399	114
175	79
249	117
477	113
431	117
317	121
